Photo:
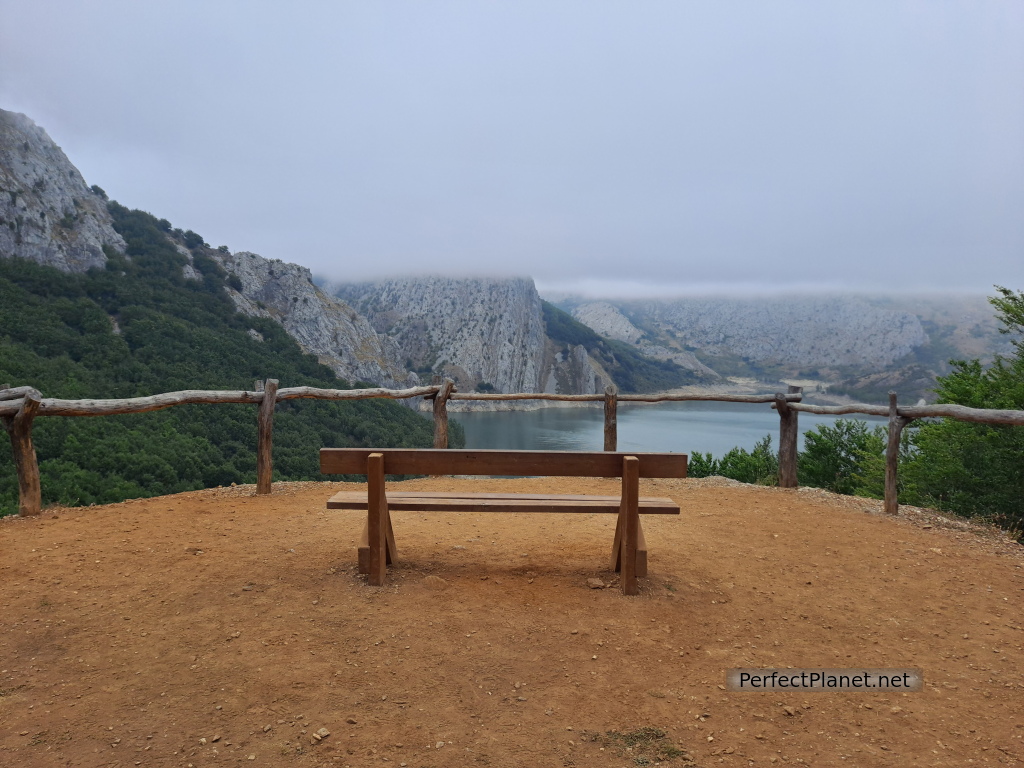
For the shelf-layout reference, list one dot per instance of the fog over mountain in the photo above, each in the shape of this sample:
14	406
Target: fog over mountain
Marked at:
615	150
497	334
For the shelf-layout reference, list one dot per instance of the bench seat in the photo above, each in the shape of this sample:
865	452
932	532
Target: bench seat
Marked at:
502	502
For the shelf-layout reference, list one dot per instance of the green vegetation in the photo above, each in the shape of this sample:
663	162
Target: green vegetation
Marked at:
972	470
760	466
632	371
834	457
976	470
138	327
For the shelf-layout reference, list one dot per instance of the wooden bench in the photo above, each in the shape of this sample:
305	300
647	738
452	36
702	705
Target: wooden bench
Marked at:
377	547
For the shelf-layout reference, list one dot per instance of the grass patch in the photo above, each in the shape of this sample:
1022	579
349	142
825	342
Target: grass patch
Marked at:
644	746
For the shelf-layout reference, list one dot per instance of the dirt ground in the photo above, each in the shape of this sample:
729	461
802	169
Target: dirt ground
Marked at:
220	628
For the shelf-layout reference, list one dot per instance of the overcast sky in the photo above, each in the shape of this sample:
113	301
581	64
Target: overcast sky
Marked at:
620	148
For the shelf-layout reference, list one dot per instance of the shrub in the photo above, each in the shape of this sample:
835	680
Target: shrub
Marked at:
832	457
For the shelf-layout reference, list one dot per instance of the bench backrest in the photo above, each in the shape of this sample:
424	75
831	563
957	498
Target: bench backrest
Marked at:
432	461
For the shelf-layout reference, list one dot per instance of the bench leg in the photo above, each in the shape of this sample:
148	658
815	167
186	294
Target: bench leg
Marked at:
392	549
364	546
364	549
641	549
376	519
617	543
629	513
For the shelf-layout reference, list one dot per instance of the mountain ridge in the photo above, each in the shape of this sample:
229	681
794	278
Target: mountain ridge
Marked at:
492	334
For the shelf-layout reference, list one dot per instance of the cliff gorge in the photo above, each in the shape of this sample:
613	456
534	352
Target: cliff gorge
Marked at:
497	334
484	333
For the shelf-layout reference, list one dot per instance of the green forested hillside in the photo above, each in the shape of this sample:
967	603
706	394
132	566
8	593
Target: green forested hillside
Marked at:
139	327
632	371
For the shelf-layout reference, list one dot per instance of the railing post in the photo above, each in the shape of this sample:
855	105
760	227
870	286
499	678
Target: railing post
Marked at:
789	431
611	417
19	427
265	438
892	456
441	413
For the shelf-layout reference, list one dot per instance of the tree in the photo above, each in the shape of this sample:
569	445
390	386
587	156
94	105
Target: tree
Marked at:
832	457
977	469
760	466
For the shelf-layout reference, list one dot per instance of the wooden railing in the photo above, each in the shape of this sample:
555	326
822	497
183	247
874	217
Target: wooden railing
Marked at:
19	406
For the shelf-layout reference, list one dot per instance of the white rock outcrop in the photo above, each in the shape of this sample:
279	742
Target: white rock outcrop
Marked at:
47	212
792	330
608	321
322	325
473	330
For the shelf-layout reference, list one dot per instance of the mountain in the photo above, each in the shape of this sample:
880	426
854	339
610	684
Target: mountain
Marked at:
111	302
341	338
496	334
858	346
47	212
50	216
484	332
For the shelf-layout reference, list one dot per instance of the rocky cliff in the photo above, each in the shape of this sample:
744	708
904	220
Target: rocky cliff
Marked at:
47	212
49	215
834	331
484	333
607	320
324	326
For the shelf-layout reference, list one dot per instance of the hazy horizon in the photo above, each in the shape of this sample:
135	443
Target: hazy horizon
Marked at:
596	289
613	150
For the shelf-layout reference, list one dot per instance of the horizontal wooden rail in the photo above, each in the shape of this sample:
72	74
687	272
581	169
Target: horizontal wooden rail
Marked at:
15	393
19	406
963	413
942	410
663	398
292	393
527	396
839	410
55	407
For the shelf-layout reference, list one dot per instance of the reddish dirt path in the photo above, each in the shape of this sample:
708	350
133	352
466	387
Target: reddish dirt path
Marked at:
121	644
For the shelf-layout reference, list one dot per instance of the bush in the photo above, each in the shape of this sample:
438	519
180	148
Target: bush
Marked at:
760	466
192	240
833	456
701	465
976	469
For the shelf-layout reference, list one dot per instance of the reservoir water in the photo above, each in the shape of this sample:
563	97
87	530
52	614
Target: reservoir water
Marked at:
685	427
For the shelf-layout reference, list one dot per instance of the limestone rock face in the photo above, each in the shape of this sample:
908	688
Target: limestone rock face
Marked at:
608	321
483	333
476	331
798	331
47	212
571	371
321	324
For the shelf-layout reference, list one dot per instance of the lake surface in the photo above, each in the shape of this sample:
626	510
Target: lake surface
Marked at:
665	427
